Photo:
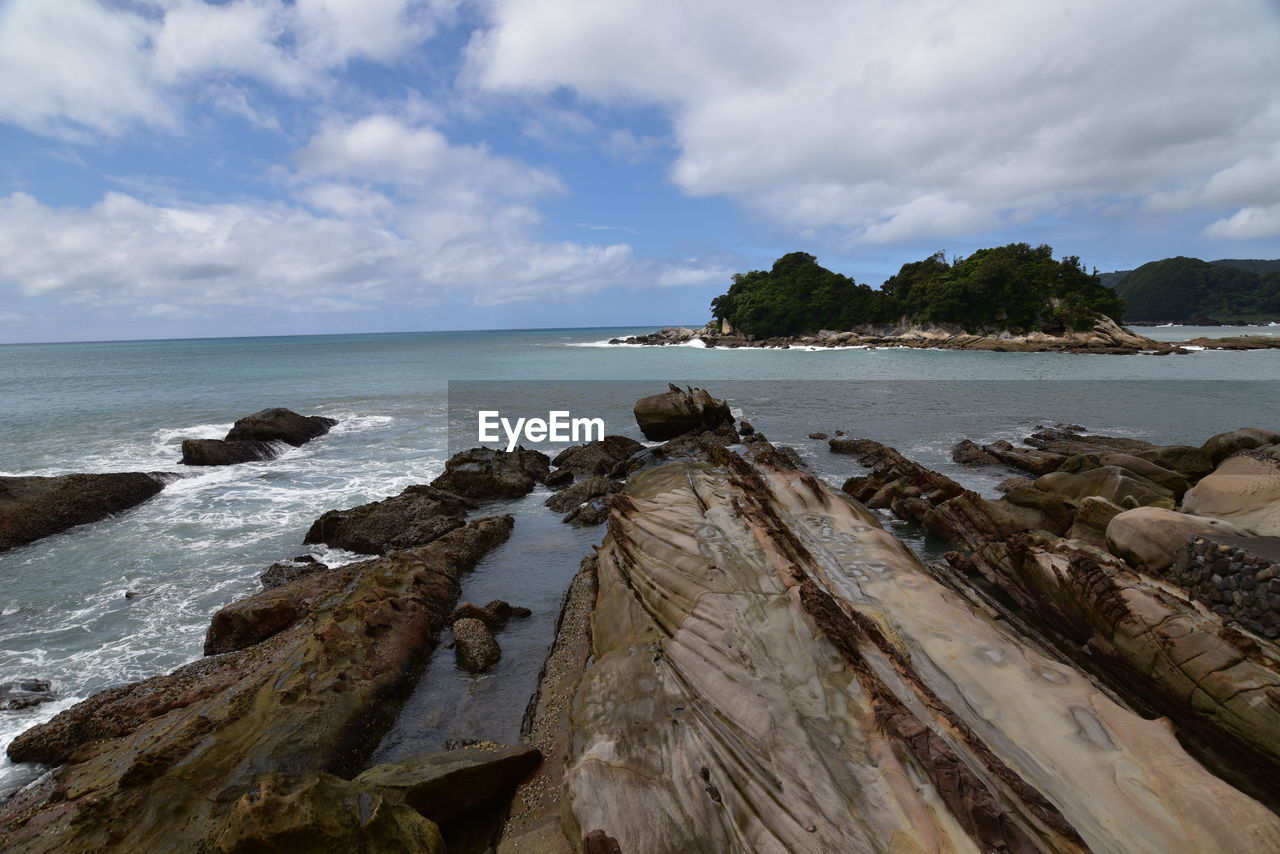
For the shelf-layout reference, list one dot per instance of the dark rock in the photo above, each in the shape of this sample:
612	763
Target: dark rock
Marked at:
745	428
675	412
485	473
1191	463
1028	459
139	594
822	437
1070	441
1223	445
599	842
968	453
284	571
696	444
448	785
475	648
35	507
495	615
559	478
279	425
25	693
321	812
218	452
255	619
415	517
586	515
599	457
582	492
1009	484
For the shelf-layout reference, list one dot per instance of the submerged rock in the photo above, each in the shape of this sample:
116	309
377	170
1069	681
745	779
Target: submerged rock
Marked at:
25	693
415	517
474	645
675	412
35	507
163	763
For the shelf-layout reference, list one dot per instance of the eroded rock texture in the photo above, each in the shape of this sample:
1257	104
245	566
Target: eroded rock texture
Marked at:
773	672
171	763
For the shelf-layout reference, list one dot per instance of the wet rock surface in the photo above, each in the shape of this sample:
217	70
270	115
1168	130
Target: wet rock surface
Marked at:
607	456
415	517
474	645
256	437
25	694
485	473
32	508
171	762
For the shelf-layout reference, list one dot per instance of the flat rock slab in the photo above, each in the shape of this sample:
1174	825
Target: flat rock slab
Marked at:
35	507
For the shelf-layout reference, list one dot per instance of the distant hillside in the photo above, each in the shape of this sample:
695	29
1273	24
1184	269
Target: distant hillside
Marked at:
1184	290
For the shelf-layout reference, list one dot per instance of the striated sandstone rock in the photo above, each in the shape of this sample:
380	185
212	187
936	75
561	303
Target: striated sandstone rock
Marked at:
773	672
160	765
35	507
1243	490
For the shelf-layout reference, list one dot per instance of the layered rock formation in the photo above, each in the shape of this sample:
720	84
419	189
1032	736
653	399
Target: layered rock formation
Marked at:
771	671
256	437
35	507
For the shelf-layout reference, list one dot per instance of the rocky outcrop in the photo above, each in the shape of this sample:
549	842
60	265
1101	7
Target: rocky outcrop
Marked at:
1243	490
675	412
256	437
284	571
1028	459
35	507
25	694
607	457
968	453
280	425
666	335
771	671
1149	537
474	645
495	615
584	501
1152	648
486	473
415	517
164	764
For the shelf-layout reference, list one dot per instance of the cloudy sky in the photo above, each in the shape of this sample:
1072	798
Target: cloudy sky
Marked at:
177	168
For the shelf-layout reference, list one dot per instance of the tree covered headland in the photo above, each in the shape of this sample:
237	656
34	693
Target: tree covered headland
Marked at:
1018	287
1188	290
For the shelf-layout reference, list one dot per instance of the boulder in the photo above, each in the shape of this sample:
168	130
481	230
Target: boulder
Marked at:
600	457
255	619
1149	537
284	571
321	812
1009	484
558	478
219	452
1110	482
1191	463
1093	514
35	507
415	517
474	645
1223	445
486	473
675	412
1070	439
968	453
279	425
1170	480
745	428
1244	490
446	786
581	492
25	693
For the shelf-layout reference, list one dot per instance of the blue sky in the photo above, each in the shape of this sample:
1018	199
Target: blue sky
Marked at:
177	168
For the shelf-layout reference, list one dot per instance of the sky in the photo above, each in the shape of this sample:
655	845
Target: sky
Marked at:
181	168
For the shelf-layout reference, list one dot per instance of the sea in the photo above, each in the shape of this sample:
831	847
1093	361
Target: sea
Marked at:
405	402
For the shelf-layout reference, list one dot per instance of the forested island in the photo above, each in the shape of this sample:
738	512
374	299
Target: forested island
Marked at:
1014	288
1188	290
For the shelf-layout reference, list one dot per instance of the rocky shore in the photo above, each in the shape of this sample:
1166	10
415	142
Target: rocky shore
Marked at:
747	662
1106	337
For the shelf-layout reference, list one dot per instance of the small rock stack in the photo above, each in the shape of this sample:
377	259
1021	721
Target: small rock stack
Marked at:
1238	577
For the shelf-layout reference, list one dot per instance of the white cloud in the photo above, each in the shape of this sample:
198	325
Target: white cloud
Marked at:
891	121
74	66
1248	223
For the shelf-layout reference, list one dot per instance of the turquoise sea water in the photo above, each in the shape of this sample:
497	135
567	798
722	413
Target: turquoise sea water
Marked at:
125	406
